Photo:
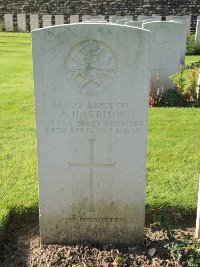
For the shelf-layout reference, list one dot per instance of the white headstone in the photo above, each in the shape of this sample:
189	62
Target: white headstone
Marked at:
166	53
59	19
34	22
183	40
74	18
95	21
21	22
137	24
88	17
149	20
198	214
47	20
186	17
157	16
122	21
8	19
91	114
113	19
143	17
197	35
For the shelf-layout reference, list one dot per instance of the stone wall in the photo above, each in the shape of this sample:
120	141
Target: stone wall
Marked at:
104	7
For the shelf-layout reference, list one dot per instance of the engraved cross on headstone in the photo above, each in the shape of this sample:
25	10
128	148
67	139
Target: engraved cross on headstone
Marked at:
159	69
92	166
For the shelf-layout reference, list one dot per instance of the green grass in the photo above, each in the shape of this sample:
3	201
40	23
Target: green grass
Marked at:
173	141
18	183
191	59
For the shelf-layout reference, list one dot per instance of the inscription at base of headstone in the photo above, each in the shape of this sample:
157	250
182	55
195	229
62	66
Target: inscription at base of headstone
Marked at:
91	117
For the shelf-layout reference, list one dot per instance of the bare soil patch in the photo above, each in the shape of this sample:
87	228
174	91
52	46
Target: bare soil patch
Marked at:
21	247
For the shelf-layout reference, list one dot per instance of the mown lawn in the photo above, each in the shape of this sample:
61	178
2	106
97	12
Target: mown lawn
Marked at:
173	141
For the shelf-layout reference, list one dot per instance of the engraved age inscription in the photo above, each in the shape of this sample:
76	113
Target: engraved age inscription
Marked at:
91	67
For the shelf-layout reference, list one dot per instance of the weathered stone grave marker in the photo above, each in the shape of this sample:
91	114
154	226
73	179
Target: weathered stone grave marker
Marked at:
89	17
74	18
114	18
122	21
34	22
183	39
165	53
197	35
91	117
143	17
21	22
47	20
59	19
137	24
8	19
186	18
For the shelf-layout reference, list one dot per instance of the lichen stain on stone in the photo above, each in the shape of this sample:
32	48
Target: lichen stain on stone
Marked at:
109	223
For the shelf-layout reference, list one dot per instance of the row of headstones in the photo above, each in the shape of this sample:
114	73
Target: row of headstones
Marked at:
168	49
59	19
168	46
91	92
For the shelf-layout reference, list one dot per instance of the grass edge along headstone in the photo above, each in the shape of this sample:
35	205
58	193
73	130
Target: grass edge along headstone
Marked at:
91	101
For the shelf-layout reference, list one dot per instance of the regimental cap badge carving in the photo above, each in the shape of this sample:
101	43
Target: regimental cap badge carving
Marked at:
91	67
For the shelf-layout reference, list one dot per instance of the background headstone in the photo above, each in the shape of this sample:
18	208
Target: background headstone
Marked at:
21	22
197	35
166	53
8	19
59	19
47	20
114	18
183	39
91	114
137	24
74	18
89	17
34	22
186	17
122	21
143	17
149	20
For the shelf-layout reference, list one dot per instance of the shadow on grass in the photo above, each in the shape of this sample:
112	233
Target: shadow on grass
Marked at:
20	226
170	217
